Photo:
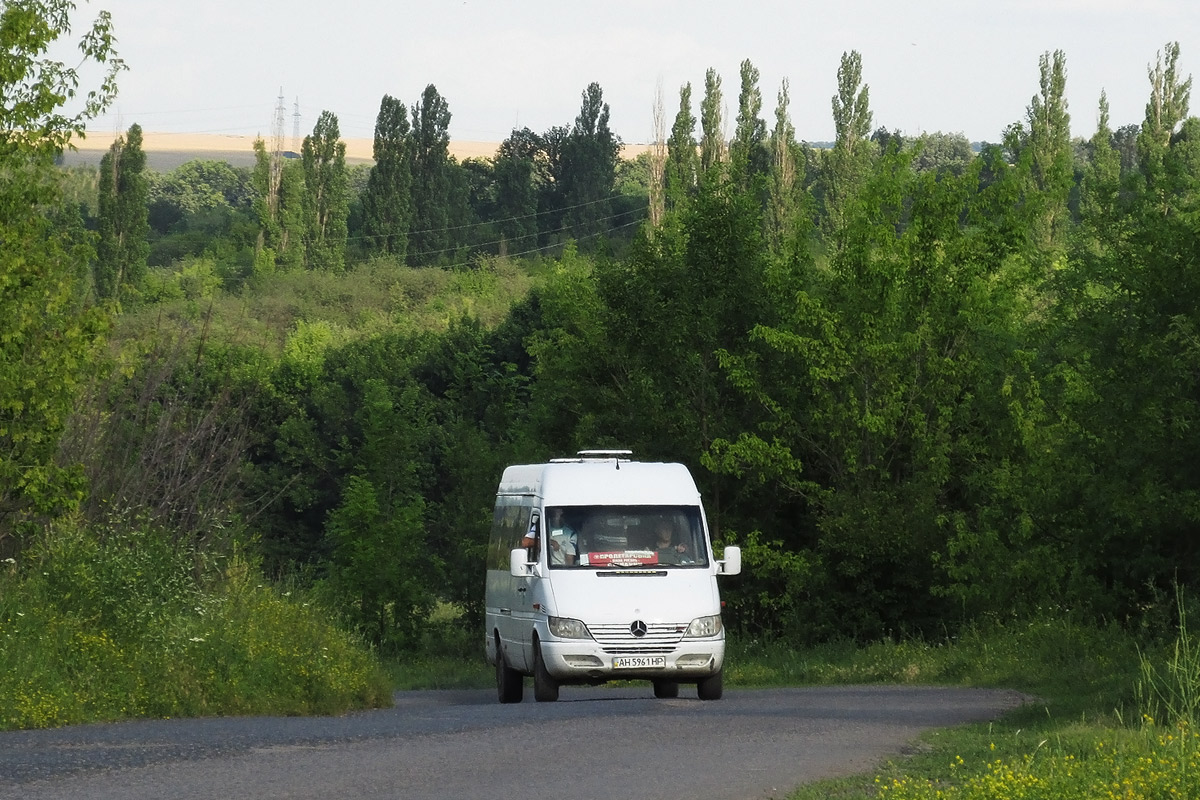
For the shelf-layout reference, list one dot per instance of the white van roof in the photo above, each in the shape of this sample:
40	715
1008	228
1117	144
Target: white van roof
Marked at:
596	479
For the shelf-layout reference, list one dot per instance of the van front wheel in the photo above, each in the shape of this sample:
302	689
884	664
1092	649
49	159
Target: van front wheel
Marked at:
545	688
510	684
711	687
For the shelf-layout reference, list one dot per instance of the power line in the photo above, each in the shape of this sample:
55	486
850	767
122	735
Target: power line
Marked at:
563	209
544	248
562	229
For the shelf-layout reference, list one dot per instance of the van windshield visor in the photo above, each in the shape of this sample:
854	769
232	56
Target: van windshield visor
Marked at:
608	537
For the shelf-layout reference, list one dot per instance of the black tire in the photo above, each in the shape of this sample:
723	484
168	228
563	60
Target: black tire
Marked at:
666	689
510	684
545	688
711	687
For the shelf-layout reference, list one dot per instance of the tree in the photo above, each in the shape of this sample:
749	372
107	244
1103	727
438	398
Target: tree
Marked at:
517	177
430	147
327	196
49	333
683	164
123	218
280	206
552	198
846	165
678	300
1125	143
880	397
197	187
380	561
942	153
748	153
712	133
1168	103
657	158
386	202
1101	183
887	139
1042	151
589	167
851	107
1050	143
1165	110
1126	388
783	205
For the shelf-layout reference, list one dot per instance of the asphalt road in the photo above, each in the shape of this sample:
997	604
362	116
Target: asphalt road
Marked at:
594	743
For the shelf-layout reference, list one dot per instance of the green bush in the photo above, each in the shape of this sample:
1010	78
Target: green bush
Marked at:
102	624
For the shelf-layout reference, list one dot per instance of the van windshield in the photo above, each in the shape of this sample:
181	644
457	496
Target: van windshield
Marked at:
592	537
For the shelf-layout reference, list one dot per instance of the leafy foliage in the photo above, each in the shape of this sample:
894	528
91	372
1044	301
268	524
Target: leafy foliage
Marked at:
386	204
49	333
123	218
118	621
326	198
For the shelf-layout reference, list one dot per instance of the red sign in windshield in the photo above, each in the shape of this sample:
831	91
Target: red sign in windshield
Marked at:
622	558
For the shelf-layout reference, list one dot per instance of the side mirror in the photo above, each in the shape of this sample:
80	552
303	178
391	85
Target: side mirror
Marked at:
732	563
519	565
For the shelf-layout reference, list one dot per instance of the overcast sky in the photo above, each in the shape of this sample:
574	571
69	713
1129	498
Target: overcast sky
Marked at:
956	66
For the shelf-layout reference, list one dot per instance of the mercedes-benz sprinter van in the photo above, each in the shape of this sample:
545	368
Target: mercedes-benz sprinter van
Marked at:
601	568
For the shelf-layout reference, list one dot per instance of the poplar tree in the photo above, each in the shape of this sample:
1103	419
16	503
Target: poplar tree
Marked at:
429	143
851	107
712	137
1041	150
517	187
658	161
327	194
386	203
1050	145
590	155
1100	187
279	204
782	204
122	218
1166	108
847	164
748	154
683	162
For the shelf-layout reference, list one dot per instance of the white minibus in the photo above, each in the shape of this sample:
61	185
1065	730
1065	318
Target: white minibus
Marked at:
601	568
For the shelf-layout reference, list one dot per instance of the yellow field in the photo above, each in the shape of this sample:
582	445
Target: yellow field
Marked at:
165	151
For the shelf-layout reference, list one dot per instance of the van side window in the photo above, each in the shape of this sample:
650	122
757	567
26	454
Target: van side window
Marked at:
510	521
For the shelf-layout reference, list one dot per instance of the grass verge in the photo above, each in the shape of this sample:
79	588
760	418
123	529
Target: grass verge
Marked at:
99	625
1085	735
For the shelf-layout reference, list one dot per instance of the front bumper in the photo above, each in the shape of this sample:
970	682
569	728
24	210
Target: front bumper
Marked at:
586	660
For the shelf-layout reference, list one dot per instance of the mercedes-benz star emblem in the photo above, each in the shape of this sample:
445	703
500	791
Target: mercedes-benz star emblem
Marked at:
637	628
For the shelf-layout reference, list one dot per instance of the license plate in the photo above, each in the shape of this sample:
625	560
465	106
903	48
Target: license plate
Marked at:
639	662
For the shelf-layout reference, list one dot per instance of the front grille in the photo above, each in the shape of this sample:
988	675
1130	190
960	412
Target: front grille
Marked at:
660	638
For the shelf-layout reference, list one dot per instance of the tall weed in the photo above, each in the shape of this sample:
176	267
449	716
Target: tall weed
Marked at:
1168	688
125	622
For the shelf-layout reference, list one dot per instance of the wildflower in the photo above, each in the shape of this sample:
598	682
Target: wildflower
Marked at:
196	639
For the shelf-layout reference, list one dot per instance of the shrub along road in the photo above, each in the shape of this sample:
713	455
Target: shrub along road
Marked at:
593	743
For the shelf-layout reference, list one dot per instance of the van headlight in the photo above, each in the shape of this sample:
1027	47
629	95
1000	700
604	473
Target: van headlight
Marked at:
704	626
567	628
